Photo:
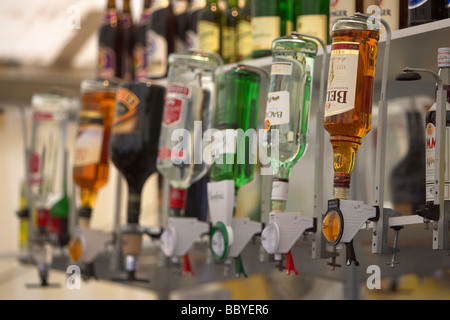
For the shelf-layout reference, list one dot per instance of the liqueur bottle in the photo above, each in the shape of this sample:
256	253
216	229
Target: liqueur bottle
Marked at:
109	45
244	32
424	11
312	18
195	10
348	108
288	110
91	160
140	44
127	36
430	131
209	27
161	36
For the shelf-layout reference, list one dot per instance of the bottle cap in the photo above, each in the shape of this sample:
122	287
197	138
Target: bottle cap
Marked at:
443	57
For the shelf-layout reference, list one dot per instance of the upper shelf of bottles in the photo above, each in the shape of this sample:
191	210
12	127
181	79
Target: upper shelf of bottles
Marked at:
410	47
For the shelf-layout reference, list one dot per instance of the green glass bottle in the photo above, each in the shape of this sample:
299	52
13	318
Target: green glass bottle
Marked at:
287	111
244	31
312	18
229	32
237	108
209	27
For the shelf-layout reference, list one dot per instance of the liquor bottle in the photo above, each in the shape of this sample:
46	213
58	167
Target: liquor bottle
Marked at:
127	38
48	147
236	115
244	31
424	11
134	138
195	10
209	27
407	178
140	43
344	8
109	46
160	38
394	12
313	18
288	109
348	108
266	26
430	131
187	111
180	11
287	14
229	32
197	200
91	163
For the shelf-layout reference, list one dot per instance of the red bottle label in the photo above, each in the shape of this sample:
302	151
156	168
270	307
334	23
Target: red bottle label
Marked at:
54	226
177	198
43	215
172	111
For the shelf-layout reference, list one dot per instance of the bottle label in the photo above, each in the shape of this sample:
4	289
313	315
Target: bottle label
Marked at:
228	43
176	96
42	116
244	39
314	25
106	62
197	5
412	4
35	169
209	34
342	76
177	198
264	31
430	161
88	144
444	57
140	61
156	54
159	4
280	190
277	110
281	68
125	119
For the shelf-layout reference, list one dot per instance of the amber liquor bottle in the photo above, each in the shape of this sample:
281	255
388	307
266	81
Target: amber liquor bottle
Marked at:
348	107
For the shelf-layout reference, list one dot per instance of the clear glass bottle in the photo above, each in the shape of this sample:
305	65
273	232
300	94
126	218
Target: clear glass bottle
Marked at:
288	109
348	106
187	115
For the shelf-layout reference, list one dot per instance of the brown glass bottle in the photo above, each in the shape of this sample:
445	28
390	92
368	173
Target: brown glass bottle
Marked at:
91	163
109	44
127	37
140	43
348	106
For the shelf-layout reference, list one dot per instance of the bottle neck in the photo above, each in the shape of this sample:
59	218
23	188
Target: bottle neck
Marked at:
111	4
126	6
147	4
233	3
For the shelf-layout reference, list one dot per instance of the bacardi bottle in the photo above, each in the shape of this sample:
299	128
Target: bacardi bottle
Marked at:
348	108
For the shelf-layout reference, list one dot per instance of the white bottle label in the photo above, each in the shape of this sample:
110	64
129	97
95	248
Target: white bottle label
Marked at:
342	76
281	68
88	146
277	111
264	31
280	190
156	54
314	25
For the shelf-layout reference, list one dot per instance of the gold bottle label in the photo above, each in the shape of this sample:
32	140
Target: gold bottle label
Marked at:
244	39
228	43
314	25
209	34
342	76
264	31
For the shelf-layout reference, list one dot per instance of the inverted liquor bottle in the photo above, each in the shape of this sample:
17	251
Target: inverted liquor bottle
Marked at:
134	138
187	115
288	110
46	159
348	108
91	157
236	117
140	43
109	44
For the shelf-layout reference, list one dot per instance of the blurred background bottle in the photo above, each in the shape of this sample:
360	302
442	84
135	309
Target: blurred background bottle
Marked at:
343	8
229	32
140	43
180	11
312	18
195	10
109	46
244	30
424	11
266	26
161	36
209	27
127	38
